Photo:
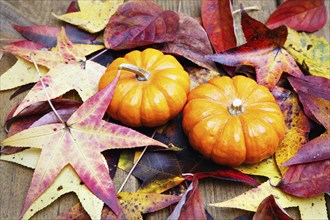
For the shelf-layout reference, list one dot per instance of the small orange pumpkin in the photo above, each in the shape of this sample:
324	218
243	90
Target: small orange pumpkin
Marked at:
233	121
151	90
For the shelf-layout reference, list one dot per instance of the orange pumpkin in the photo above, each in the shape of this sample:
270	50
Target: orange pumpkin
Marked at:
151	90
233	121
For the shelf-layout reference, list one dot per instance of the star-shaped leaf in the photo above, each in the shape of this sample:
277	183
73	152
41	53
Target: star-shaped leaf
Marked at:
65	77
132	204
79	142
93	15
66	181
21	73
65	52
311	208
263	50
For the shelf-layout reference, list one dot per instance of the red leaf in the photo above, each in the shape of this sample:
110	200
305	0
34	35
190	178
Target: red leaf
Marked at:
270	210
307	15
313	151
307	180
314	93
25	44
218	22
227	174
191	42
43	34
263	50
139	24
191	205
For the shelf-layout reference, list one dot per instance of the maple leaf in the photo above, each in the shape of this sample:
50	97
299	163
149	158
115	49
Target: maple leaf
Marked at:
66	181
140	23
79	142
93	15
65	52
65	77
263	50
311	52
218	22
21	73
132	204
311	208
300	15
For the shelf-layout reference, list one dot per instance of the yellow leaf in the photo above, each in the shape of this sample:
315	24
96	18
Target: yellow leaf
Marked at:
309	50
21	73
159	186
265	168
297	132
310	208
67	181
93	15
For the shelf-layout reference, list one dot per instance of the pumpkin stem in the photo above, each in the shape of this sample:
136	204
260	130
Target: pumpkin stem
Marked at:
236	107
141	74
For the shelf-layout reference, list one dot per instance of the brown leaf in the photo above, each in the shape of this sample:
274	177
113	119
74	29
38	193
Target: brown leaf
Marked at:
191	42
307	180
300	15
270	210
191	205
219	24
140	23
313	151
314	95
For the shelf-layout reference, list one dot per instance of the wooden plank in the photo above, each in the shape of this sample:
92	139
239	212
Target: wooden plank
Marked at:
15	179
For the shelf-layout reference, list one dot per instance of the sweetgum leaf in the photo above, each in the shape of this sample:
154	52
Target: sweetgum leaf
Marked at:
311	208
86	18
66	181
191	42
307	180
132	206
218	22
307	16
65	52
270	210
21	73
63	78
138	24
79	142
263	50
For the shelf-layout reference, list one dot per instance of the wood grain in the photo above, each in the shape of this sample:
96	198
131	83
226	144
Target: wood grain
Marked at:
15	179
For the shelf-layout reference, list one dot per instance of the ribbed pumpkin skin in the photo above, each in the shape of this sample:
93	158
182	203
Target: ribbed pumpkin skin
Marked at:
233	139
147	103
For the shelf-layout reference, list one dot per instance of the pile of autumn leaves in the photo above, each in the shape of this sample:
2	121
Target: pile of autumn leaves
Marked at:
287	66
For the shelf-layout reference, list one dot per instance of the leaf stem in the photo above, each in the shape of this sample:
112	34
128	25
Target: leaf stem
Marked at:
45	90
134	166
98	54
250	8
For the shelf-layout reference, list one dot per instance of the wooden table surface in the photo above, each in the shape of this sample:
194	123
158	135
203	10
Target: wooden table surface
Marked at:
15	179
